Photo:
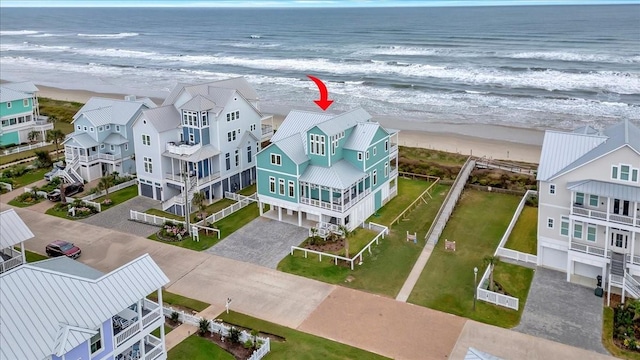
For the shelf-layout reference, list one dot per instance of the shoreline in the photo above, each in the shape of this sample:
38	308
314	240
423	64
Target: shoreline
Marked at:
492	141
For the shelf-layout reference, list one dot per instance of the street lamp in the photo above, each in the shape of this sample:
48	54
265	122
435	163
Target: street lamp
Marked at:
475	286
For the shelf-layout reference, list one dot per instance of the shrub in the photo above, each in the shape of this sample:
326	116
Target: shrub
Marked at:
43	160
29	198
203	327
175	317
6	180
248	344
234	335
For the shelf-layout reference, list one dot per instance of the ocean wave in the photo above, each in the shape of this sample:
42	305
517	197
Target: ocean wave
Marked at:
254	45
110	36
17	32
27	46
574	57
41	35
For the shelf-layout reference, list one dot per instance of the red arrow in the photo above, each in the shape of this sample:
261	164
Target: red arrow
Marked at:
323	102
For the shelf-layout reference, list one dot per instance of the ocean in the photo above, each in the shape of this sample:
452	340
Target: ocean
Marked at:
534	67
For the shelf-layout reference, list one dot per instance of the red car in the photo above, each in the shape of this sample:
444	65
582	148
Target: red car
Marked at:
63	248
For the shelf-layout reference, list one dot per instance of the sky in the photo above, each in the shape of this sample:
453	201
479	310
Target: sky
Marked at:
296	3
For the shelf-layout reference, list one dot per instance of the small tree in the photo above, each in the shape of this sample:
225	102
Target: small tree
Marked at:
55	136
203	326
33	135
314	235
346	234
175	317
199	201
491	261
105	183
234	335
44	159
254	335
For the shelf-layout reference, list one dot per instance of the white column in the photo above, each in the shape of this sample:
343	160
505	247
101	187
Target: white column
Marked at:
569	268
606	240
24	257
608	208
260	207
633	245
331	198
164	349
299	218
279	213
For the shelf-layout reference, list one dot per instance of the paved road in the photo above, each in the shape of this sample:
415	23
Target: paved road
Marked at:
262	242
117	217
382	325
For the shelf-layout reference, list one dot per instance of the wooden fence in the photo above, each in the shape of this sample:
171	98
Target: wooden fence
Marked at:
414	176
417	200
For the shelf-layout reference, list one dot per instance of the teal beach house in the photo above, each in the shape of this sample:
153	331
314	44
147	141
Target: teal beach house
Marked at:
323	169
20	114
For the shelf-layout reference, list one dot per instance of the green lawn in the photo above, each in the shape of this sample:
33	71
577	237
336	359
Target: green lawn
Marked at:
523	237
298	345
28	178
167	329
32	256
360	238
21	204
392	259
607	337
158	212
179	300
447	282
66	128
196	348
248	190
226	226
120	196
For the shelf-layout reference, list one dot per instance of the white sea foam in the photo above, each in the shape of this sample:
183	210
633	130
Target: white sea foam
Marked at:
254	45
575	57
110	36
44	35
17	32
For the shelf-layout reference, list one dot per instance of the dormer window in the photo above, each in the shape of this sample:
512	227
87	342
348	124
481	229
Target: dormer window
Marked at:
624	173
317	145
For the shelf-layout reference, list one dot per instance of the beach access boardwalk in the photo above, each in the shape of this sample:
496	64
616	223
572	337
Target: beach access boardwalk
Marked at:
436	229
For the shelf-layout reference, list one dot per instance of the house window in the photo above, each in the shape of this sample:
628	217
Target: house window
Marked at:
228	117
359	155
281	186
614	172
25	102
386	169
204	119
252	127
550	223
79	127
227	158
237	115
291	189
101	146
100	128
231	135
96	342
108	127
112	147
593	200
237	158
375	177
146	140
249	153
84	128
148	165
624	172
367	155
591	233
317	144
9	105
552	189
118	128
386	145
126	146
272	184
580	199
375	151
192	138
91	129
634	175
564	226
577	231
276	159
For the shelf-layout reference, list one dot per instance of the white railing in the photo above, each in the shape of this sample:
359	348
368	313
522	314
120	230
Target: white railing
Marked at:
517	255
15	259
182	149
208	178
151	219
174	177
601	215
588	249
155	352
137	326
6	186
393	173
98	207
242	201
383	230
515	217
498	299
222	330
18	149
632	285
336	207
393	148
238	197
127	333
111	190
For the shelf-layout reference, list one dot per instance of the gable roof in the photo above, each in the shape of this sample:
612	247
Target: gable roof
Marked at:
162	118
298	122
24	87
7	95
103	111
35	327
563	152
293	148
240	84
362	135
12	229
606	189
344	121
199	103
83	140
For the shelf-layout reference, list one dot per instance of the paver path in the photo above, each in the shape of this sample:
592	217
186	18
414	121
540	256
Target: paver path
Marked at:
564	312
117	217
262	242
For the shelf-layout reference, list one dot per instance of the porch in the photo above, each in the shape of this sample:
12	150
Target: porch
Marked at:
132	320
289	217
197	161
151	349
10	258
605	202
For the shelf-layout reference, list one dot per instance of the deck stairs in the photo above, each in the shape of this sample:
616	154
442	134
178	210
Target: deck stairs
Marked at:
70	174
619	277
179	199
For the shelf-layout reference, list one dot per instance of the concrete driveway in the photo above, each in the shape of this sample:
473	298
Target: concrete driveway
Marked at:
564	312
117	217
262	242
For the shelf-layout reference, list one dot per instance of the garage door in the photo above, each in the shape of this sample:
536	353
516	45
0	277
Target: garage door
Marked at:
146	190
554	259
586	270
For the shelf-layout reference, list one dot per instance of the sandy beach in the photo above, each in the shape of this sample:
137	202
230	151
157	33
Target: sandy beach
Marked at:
495	142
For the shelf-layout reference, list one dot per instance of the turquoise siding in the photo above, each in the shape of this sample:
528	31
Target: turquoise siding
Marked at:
264	160
340	151
352	157
17	107
319	160
10	138
286	171
377	197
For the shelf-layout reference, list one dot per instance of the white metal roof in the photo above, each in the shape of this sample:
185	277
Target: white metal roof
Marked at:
163	118
115	139
298	122
344	121
340	175
205	151
46	312
198	103
7	95
240	84
24	87
82	140
12	229
607	189
361	136
103	111
293	148
63	265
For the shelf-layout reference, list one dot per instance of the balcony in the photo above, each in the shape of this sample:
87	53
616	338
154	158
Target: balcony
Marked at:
152	350
9	258
89	158
393	150
337	204
127	324
601	215
267	131
599	251
182	148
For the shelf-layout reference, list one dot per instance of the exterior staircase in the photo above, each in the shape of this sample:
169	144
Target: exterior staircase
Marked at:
619	277
179	199
70	174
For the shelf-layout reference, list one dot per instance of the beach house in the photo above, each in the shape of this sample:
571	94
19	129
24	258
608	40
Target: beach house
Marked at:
102	140
13	232
59	309
20	114
323	170
589	204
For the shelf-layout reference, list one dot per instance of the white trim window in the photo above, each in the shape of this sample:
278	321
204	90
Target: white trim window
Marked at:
594	200
624	172
9	105
550	223
375	151
118	128
577	230
100	128
359	155
291	189
281	186
148	165
101	146
375	176
249	157
95	343
564	226
126	146
317	144
231	135
25	102
272	184
107	127
146	140
204	118
367	155
386	169
84	128
552	189
237	158
276	159
79	127
386	145
580	199
591	233
91	129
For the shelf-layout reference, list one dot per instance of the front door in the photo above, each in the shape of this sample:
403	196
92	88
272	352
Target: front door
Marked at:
621	207
619	240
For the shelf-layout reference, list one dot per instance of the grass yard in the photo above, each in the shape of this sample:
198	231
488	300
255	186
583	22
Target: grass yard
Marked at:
158	212
297	345
28	178
66	128
196	348
179	300
248	190
523	237
32	256
167	329
607	337
226	226
392	259
118	197
446	283
21	204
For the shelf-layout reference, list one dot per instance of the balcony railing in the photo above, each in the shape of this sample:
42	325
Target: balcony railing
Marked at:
267	131
13	259
155	313
393	148
210	177
181	148
601	215
588	249
88	158
335	206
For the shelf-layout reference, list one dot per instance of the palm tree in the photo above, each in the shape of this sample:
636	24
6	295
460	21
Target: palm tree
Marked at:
33	135
199	201
105	183
491	261
346	234
55	136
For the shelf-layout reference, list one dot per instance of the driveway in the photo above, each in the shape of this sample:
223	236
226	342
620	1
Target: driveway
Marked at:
262	242
564	312
117	217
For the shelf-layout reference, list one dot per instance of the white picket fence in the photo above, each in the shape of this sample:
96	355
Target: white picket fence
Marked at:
6	186
98	206
242	201
517	255
111	190
359	256
41	193
223	330
18	149
151	219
